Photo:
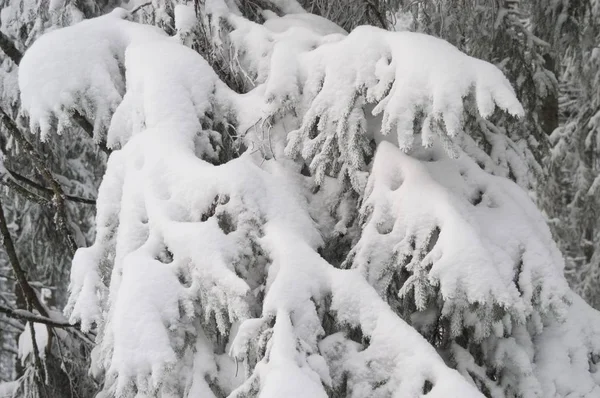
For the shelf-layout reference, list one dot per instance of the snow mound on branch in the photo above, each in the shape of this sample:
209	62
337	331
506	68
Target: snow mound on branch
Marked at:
391	359
185	18
79	69
150	103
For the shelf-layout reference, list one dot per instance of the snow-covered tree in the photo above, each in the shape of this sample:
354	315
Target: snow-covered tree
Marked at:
293	210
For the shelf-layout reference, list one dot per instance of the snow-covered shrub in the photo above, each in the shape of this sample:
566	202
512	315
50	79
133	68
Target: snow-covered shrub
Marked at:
217	209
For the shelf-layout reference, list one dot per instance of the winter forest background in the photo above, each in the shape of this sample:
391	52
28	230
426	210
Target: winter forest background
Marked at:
312	198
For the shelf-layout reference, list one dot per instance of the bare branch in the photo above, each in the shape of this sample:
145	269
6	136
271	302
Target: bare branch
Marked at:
46	190
136	9
9	49
25	192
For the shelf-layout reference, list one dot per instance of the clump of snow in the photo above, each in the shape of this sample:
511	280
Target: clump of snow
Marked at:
26	342
406	75
185	18
333	80
450	222
186	23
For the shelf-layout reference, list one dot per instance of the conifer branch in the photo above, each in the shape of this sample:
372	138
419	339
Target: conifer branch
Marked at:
58	198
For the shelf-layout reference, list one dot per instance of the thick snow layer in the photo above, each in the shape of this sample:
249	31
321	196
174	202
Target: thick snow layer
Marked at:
475	245
403	73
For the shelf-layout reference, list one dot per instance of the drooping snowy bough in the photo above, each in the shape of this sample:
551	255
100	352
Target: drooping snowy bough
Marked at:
296	240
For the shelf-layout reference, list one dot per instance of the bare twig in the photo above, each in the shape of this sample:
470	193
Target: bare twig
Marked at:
136	9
